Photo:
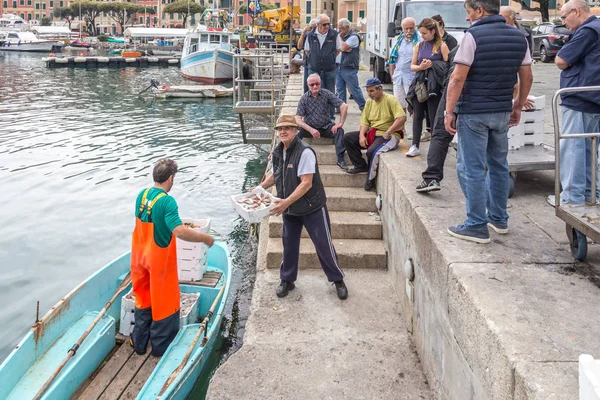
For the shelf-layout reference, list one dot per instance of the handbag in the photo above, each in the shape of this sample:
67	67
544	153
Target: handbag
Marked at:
421	91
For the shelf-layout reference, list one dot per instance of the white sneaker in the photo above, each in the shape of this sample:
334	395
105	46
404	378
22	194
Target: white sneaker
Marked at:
426	136
413	151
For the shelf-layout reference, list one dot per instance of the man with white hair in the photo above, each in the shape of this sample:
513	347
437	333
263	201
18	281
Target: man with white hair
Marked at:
347	63
321	48
401	58
510	16
579	61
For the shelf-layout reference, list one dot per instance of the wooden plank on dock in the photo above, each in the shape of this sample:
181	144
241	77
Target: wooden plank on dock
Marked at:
124	377
140	379
210	279
102	380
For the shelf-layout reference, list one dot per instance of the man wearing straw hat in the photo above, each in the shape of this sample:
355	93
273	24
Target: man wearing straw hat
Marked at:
303	204
154	262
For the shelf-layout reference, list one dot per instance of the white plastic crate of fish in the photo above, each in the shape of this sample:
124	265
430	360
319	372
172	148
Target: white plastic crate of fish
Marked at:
255	205
192	256
188	313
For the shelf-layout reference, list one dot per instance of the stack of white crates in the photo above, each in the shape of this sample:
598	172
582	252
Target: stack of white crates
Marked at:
188	312
589	378
192	257
530	130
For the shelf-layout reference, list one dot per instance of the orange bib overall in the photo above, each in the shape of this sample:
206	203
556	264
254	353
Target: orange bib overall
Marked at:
155	285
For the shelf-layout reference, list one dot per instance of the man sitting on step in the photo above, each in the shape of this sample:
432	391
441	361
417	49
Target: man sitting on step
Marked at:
381	128
303	204
313	116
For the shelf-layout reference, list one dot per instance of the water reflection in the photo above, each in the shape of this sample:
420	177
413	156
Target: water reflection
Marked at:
76	146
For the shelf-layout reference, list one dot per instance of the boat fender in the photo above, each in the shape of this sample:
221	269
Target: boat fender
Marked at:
51	55
166	87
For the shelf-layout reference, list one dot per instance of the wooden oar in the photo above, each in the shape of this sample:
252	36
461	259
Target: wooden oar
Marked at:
191	348
75	347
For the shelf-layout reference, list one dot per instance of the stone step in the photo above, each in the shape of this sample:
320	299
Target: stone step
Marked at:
350	199
344	225
326	155
332	175
352	253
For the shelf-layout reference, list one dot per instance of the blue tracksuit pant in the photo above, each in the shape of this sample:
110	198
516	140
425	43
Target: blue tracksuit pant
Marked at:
319	229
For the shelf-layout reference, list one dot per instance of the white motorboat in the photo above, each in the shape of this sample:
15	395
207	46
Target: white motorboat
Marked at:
208	55
24	41
12	22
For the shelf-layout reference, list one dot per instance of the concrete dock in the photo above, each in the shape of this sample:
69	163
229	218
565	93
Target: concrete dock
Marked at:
506	320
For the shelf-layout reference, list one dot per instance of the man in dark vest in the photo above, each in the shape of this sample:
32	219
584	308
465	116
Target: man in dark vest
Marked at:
579	62
479	105
303	204
348	62
321	47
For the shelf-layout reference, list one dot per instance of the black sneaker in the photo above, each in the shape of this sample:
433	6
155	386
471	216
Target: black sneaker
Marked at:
428	186
284	288
356	170
342	164
341	289
370	185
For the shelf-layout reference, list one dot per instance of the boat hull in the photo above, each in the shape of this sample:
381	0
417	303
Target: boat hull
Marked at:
35	358
208	66
29	47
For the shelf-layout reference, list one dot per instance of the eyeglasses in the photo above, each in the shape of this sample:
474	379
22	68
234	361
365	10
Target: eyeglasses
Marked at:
563	17
314	84
325	24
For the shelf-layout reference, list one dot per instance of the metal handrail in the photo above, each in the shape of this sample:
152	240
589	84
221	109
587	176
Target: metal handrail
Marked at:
558	136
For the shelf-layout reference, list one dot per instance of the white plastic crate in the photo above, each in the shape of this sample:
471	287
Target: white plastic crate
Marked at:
515	137
193	256
533	133
528	117
539	102
253	216
188	312
589	378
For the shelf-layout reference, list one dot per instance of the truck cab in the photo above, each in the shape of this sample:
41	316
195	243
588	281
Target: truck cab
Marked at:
384	25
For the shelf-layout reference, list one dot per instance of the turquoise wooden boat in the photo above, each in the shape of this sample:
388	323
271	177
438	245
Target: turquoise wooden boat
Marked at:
105	365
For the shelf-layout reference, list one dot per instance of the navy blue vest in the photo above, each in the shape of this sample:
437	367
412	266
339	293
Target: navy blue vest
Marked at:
586	72
321	59
287	180
499	53
351	60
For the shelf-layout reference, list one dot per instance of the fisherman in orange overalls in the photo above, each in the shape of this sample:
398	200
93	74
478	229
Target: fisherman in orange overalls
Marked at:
154	262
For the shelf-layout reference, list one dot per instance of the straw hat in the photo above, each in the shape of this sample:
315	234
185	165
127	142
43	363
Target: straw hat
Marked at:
286	120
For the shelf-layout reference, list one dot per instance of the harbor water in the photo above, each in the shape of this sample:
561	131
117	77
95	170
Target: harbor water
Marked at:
77	146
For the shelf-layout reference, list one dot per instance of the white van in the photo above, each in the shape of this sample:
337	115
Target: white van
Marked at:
384	23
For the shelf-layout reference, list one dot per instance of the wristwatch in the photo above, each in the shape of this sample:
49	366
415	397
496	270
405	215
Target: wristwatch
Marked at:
447	114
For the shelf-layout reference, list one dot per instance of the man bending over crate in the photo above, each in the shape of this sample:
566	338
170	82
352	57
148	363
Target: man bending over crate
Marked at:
303	204
154	262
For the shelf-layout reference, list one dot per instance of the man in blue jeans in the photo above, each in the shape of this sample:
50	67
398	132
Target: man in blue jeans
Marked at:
347	63
479	107
579	60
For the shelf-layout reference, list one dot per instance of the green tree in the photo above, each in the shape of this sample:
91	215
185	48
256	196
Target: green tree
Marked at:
46	21
125	13
182	6
64	13
267	6
543	9
243	9
90	10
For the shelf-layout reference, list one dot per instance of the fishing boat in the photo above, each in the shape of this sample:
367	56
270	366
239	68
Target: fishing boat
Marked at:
208	55
56	360
24	41
192	91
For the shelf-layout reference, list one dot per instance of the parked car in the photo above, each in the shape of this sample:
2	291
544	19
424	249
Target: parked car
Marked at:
548	38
